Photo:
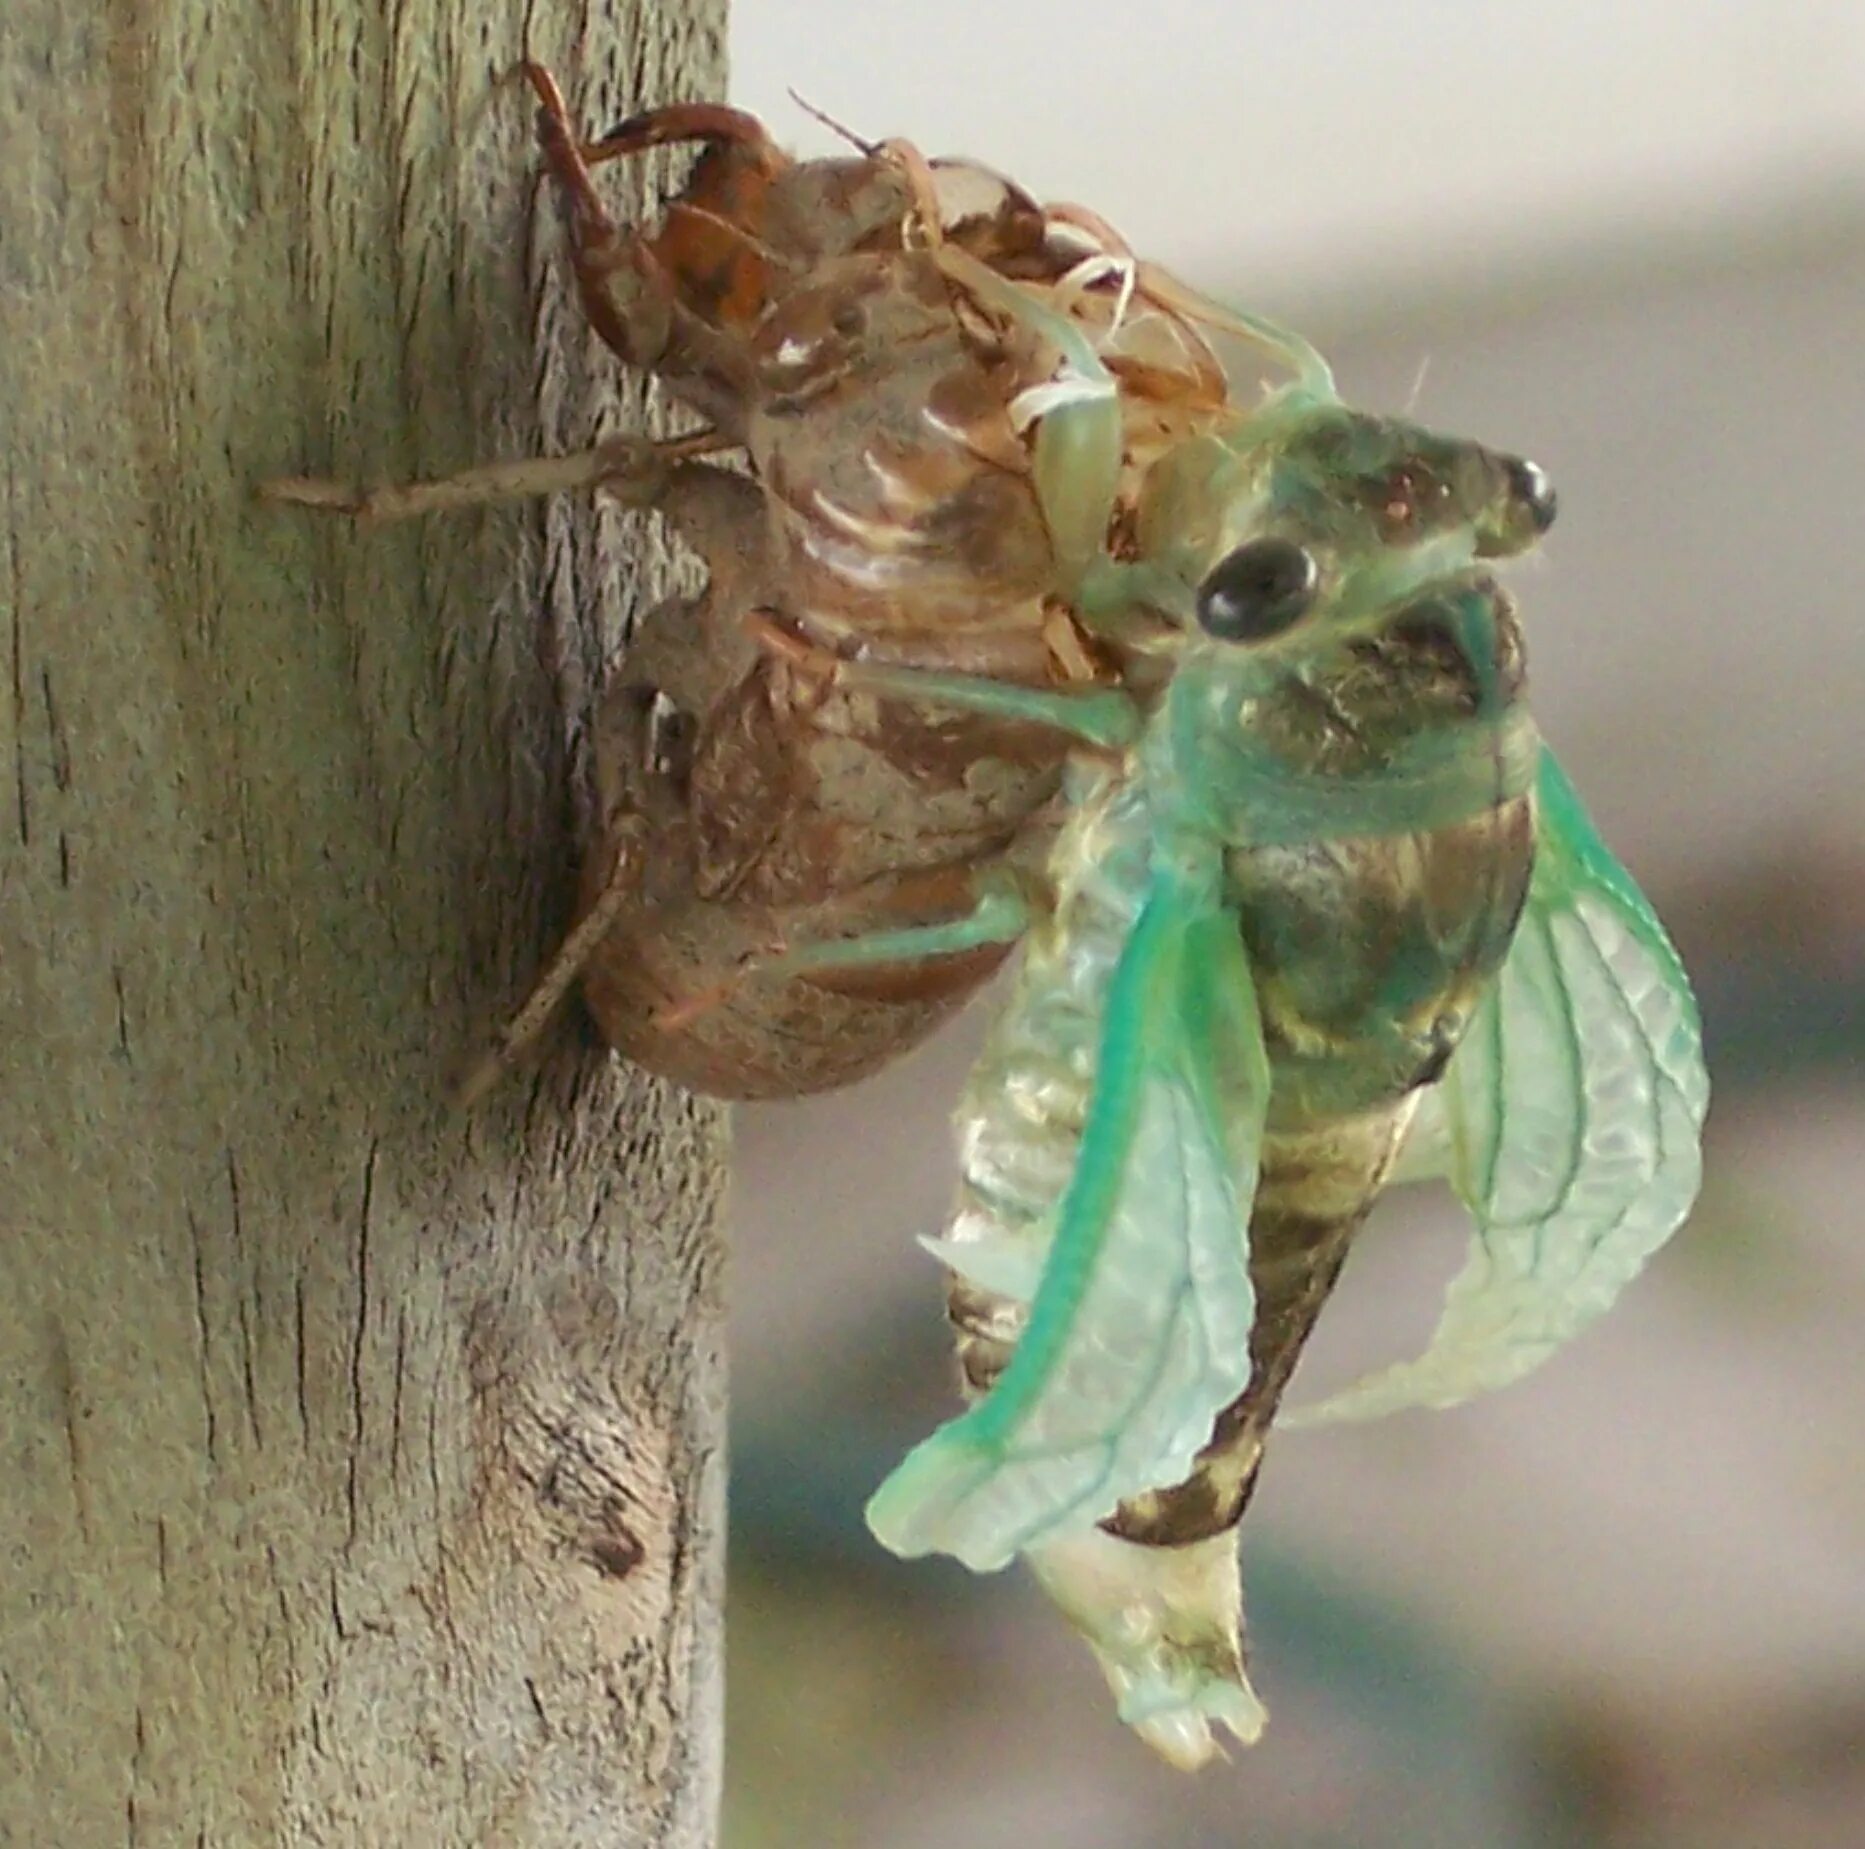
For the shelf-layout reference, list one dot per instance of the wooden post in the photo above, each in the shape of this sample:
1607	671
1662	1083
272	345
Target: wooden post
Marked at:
362	1457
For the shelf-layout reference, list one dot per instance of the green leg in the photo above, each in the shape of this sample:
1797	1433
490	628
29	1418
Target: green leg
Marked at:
1098	715
1079	439
1001	916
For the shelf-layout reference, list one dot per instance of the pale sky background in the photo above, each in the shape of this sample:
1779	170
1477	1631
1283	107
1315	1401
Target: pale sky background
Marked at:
1629	240
1346	140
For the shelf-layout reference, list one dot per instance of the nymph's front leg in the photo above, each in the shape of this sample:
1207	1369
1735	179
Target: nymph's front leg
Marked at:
630	282
1102	717
636	470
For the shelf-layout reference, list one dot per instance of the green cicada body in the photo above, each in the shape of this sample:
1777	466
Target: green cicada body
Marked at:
1330	916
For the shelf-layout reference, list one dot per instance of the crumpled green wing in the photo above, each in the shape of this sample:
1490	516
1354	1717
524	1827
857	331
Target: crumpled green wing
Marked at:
1139	1332
1568	1122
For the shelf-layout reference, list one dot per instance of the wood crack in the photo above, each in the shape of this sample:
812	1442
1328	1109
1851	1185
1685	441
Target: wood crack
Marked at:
358	1337
17	612
204	1340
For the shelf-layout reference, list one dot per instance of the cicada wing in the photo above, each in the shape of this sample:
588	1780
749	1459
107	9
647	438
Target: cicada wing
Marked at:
1139	1332
1568	1122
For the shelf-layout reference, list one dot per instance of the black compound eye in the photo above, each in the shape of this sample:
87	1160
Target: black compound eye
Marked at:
1257	591
1534	493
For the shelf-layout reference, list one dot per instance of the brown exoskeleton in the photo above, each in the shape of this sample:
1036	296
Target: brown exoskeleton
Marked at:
888	520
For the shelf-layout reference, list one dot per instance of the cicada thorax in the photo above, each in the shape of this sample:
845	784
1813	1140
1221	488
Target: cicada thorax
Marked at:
1369	949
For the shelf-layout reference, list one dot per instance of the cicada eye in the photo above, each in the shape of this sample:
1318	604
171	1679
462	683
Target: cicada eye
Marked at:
1533	492
1514	519
1257	591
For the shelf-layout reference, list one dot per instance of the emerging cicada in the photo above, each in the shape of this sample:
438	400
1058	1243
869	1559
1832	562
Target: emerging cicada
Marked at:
1019	628
1334	918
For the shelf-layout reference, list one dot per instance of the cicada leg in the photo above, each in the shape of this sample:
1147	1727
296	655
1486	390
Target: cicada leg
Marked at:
559	975
1001	915
1100	716
636	470
570	157
634	285
1080	442
677	122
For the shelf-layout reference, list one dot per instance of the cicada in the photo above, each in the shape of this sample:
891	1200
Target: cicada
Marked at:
1333	917
1020	627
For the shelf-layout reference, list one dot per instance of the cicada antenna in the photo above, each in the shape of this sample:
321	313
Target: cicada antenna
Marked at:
832	125
902	153
1418	385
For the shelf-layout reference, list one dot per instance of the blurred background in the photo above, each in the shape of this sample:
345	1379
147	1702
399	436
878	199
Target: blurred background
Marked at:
1622	1604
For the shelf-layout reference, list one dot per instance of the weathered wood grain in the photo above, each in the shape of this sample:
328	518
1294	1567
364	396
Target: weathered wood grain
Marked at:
362	1459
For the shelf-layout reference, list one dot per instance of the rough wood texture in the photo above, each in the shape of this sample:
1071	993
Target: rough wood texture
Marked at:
362	1459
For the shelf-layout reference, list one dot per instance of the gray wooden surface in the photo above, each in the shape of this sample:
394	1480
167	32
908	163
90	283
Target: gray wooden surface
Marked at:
362	1459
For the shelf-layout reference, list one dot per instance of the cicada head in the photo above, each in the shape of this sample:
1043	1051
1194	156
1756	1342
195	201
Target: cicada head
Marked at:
1311	518
1356	483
